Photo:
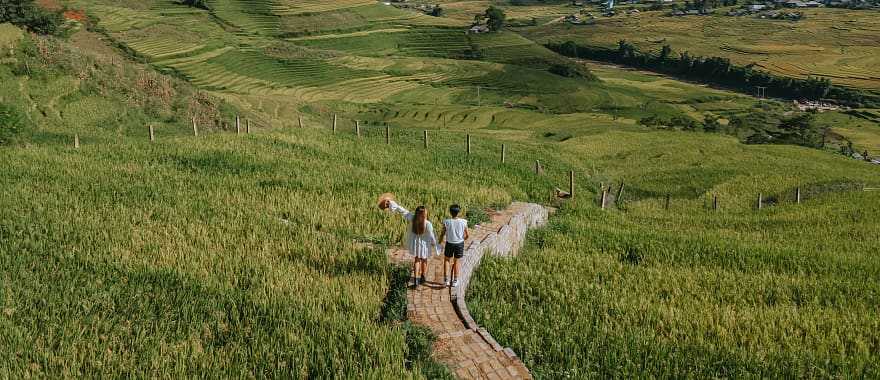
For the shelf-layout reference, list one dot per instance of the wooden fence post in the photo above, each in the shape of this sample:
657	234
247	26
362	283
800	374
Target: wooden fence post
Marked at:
247	123
387	135
334	123
300	121
237	125
798	195
76	141
760	201
715	202
426	139
195	128
571	184
604	198
468	143
619	199
357	127
503	153
538	170
152	134
667	201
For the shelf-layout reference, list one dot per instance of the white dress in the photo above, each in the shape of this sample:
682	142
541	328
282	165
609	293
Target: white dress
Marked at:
417	245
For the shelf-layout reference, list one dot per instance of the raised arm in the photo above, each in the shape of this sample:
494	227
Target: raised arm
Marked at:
394	207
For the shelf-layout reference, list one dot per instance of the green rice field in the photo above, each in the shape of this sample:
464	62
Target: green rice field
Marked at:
262	254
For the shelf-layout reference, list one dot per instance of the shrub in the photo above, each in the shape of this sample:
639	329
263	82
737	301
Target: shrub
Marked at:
26	14
12	124
476	216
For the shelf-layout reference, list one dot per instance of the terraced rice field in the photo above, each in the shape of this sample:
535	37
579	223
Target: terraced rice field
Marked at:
834	43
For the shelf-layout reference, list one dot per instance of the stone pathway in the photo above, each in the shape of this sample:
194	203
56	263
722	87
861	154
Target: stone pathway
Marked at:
468	350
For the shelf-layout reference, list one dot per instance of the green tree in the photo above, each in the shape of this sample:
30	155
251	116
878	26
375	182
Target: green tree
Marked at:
495	18
26	14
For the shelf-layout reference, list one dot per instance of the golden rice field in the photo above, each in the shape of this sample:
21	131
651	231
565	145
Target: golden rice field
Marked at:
835	43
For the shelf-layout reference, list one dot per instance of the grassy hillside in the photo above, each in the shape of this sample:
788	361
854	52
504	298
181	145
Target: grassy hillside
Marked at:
263	254
786	291
835	43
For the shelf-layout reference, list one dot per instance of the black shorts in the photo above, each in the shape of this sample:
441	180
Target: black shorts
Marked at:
454	250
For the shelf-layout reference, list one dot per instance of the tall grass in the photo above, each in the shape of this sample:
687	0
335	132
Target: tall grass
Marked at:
231	256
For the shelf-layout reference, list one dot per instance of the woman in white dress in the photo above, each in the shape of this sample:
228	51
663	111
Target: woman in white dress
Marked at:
419	239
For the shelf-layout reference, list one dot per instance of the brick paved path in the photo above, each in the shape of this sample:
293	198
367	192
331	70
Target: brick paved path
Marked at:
468	350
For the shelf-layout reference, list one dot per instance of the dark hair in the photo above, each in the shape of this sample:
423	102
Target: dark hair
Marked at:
419	220
454	210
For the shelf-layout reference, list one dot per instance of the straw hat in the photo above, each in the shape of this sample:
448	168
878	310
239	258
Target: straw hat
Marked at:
383	198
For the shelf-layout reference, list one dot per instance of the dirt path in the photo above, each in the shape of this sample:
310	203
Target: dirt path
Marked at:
468	350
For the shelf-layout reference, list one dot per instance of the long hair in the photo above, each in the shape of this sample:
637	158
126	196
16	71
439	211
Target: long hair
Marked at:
419	220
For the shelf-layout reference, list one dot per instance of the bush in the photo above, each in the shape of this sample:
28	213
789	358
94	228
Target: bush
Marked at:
12	124
26	14
476	216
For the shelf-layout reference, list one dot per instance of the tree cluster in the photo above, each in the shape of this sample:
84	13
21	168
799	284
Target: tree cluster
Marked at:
720	71
26	14
201	4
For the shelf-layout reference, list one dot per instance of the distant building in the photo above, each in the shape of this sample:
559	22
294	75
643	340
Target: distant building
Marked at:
477	29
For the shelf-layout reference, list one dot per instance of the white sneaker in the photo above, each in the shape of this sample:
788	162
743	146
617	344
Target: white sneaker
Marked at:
455	283
446	281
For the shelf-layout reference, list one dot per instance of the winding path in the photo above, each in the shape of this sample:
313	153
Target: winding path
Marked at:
468	350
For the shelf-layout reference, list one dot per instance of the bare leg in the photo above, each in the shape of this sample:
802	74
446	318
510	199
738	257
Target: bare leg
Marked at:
455	268
415	271
425	267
